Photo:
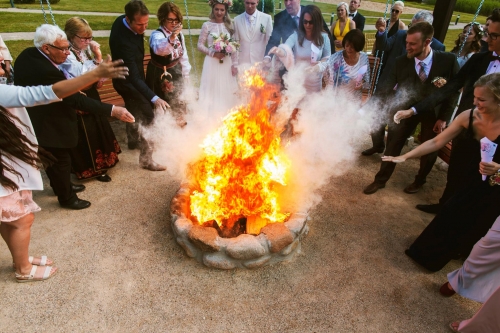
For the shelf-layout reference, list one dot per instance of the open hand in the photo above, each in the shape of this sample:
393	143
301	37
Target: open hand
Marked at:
439	126
402	114
397	159
380	25
111	69
161	105
122	114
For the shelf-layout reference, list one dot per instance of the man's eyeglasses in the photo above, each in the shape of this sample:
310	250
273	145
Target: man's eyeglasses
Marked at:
492	36
65	49
395	11
173	21
307	22
85	39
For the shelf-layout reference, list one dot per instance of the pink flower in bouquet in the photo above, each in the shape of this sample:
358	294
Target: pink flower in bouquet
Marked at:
217	47
229	48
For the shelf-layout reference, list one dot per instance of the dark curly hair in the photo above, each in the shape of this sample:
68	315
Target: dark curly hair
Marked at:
475	46
14	144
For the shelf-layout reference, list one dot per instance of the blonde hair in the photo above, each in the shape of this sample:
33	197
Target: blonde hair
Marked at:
490	82
399	3
343	4
77	26
228	23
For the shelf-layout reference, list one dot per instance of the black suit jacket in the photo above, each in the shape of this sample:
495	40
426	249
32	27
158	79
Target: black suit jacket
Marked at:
473	69
410	88
129	47
284	25
55	124
395	46
359	20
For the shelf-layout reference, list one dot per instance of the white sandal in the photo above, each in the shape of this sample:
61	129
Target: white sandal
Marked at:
31	277
43	261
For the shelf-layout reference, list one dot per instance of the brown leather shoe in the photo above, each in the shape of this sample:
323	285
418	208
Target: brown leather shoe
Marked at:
413	188
446	290
372	150
153	166
372	188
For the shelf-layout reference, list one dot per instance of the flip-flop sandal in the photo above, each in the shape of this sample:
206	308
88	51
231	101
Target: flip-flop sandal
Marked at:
43	261
31	277
454	326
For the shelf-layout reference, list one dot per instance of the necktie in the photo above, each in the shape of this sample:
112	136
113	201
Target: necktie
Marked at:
495	57
252	19
421	72
296	19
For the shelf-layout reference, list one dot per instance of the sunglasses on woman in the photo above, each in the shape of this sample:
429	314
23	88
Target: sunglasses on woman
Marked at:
395	11
307	22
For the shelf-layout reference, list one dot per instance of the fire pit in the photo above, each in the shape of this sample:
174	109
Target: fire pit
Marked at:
276	241
229	213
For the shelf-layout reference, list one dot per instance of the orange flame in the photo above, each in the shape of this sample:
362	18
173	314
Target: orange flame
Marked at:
242	166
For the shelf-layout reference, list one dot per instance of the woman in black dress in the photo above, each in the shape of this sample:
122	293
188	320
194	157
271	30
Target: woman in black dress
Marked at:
467	216
97	149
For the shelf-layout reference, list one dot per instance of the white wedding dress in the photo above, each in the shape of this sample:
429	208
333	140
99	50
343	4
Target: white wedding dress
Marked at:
217	86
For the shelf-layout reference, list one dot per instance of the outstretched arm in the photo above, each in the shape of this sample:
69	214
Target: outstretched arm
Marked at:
429	146
107	69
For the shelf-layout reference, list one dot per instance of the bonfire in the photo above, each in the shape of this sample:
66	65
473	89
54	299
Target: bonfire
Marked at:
243	166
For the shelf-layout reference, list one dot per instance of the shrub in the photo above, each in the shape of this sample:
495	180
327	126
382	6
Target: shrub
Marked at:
470	6
239	6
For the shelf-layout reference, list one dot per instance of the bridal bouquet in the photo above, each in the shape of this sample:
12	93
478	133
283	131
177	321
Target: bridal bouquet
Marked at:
224	44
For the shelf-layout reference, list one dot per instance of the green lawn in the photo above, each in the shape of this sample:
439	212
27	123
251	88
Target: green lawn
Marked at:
29	22
195	7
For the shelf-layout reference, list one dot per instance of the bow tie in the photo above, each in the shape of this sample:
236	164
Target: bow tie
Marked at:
351	15
494	57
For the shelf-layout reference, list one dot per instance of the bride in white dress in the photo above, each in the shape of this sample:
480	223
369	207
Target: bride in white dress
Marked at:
218	84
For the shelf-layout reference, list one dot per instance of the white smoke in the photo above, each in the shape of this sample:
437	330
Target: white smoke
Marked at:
330	134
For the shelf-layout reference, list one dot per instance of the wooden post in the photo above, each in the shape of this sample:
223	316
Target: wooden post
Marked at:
443	10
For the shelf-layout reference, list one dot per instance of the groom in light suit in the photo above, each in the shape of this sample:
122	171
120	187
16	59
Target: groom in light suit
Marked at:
253	30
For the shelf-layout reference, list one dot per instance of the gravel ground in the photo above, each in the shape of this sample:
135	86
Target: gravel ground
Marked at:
120	269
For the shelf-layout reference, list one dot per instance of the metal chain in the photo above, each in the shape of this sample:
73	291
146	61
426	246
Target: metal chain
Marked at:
382	54
263	2
190	40
50	11
470	28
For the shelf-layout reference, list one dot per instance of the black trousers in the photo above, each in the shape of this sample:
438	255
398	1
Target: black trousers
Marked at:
143	112
60	175
396	138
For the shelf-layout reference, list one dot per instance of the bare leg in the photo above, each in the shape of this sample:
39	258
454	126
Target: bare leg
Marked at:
17	236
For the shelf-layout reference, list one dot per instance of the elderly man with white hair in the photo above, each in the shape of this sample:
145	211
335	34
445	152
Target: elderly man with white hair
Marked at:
55	125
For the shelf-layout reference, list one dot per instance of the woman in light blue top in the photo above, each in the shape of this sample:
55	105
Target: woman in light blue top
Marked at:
309	44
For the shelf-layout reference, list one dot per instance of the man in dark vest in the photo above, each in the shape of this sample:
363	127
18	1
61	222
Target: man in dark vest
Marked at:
127	42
